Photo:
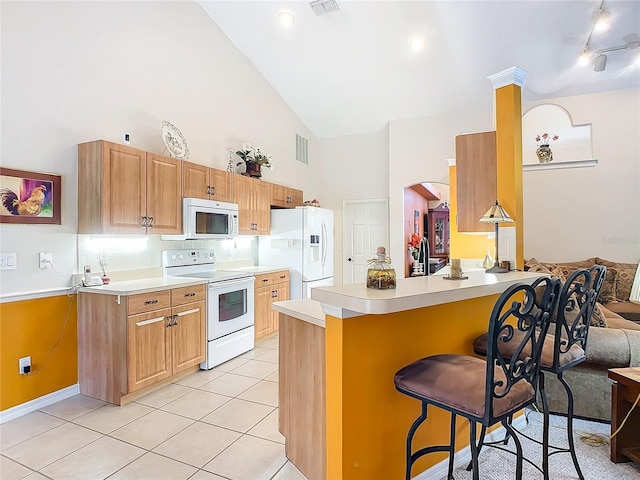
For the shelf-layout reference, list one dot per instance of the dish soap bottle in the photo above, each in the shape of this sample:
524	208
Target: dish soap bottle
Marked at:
381	274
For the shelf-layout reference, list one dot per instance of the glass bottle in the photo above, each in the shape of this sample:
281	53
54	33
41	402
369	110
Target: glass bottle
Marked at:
381	274
488	261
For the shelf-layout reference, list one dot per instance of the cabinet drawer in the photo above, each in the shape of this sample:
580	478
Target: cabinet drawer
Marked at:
146	302
264	279
279	277
182	295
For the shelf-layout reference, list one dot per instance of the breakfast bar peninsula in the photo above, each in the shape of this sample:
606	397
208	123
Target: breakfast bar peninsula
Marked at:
339	411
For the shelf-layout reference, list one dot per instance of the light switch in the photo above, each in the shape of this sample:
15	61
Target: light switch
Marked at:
8	261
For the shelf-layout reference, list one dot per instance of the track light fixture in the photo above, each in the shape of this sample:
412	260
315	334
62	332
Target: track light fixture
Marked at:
601	21
599	62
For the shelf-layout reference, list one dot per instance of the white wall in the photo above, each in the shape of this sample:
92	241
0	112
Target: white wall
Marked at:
574	214
418	152
354	167
78	71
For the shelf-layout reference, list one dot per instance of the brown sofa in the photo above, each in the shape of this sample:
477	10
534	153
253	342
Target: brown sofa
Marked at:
613	341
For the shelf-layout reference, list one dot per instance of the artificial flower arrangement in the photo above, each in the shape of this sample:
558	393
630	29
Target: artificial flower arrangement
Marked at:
545	138
414	245
249	154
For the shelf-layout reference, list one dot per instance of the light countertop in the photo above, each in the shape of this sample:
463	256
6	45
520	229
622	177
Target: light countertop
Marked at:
305	309
345	301
255	269
155	283
143	285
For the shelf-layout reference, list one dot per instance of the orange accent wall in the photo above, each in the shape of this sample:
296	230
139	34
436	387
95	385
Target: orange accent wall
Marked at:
509	152
367	419
32	328
412	201
464	245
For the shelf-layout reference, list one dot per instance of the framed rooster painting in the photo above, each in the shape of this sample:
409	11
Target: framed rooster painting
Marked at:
29	197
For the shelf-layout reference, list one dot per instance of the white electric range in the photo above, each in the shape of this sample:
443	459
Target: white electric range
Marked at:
230	302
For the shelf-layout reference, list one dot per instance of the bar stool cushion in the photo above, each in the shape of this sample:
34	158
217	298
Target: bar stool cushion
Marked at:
459	381
546	359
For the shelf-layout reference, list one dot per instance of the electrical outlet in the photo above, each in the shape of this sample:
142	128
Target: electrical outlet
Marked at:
46	259
126	138
24	362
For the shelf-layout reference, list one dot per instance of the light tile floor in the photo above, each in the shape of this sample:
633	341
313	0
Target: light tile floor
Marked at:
215	424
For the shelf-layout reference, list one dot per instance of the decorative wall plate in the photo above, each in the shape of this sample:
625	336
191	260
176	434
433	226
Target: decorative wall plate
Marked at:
174	141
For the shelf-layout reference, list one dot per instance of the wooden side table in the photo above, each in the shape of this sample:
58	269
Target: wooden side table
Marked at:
625	446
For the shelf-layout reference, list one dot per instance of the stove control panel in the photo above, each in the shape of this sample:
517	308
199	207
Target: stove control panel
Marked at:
183	257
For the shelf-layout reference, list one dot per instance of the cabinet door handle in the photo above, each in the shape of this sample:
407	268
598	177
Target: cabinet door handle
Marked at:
289	200
208	189
190	294
264	280
213	190
150	222
274	293
283	276
147	322
151	302
143	222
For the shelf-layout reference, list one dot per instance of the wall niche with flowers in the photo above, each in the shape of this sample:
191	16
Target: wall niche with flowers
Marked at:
551	140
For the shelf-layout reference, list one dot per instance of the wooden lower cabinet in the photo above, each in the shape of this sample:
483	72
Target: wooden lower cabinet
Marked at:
131	344
269	288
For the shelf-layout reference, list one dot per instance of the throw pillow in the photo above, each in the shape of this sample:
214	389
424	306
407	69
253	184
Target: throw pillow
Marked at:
608	290
626	281
598	319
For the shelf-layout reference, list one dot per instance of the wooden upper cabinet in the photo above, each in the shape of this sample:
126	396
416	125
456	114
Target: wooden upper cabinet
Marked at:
200	181
252	197
262	210
195	180
126	190
220	183
112	182
164	194
476	180
285	197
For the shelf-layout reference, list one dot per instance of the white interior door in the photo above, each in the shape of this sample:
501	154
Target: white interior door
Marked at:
365	228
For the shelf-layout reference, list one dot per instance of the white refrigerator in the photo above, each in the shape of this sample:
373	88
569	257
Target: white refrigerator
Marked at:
301	239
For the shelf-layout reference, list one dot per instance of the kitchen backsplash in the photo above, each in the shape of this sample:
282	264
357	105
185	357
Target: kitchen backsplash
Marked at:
138	252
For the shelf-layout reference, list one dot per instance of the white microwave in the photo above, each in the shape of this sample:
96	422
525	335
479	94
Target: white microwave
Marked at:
209	218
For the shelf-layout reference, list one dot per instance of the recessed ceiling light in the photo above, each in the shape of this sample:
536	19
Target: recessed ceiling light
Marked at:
286	19
416	43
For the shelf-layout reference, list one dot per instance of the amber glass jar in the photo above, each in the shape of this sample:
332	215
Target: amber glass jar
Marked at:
381	274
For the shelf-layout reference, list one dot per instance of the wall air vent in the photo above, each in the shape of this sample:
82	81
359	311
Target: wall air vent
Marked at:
322	7
302	149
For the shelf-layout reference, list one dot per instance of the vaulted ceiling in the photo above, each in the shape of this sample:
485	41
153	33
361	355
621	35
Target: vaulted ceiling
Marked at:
352	71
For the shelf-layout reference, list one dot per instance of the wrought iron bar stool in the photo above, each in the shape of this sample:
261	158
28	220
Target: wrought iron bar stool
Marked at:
562	349
485	391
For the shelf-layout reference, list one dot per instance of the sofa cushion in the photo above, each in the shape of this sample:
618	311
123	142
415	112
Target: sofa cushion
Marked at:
628	310
626	273
620	322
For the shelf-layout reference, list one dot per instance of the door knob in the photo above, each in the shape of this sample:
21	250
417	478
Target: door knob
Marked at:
349	259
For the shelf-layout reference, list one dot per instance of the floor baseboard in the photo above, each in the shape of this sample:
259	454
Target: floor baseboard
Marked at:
38	403
463	457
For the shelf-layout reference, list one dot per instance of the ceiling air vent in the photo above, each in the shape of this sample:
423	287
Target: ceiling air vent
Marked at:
302	150
322	7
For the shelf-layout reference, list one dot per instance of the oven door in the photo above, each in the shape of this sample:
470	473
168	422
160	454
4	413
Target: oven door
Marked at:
230	307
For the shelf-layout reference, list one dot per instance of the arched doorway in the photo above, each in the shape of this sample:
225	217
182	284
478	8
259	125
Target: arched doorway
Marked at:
426	214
